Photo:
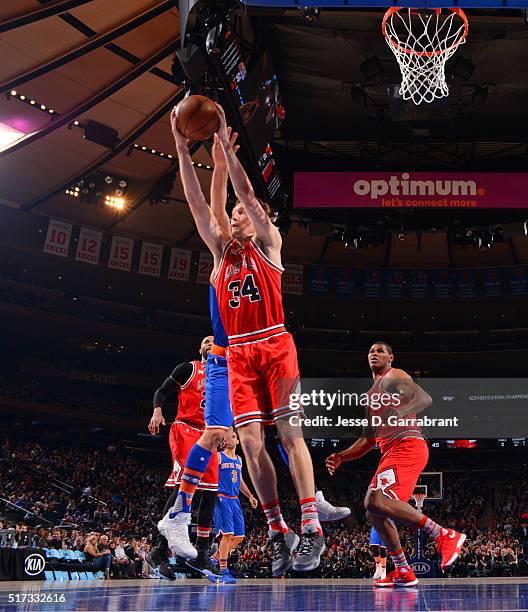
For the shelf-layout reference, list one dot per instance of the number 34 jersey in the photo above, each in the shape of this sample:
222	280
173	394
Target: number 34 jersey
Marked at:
248	288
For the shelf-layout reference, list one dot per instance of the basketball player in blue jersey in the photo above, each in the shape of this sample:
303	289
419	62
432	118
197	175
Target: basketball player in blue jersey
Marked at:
218	415
229	518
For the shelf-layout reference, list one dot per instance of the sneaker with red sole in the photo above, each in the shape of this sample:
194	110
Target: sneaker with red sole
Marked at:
449	545
397	578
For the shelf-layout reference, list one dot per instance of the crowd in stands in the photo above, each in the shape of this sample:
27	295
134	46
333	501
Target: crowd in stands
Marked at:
113	499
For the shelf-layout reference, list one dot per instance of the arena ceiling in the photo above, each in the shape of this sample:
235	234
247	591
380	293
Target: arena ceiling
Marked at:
110	61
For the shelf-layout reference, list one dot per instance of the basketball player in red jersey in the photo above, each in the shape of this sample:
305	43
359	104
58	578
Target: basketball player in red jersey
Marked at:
188	379
404	456
261	358
262	364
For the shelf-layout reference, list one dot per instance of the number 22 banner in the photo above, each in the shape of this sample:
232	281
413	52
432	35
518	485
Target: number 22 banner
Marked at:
89	246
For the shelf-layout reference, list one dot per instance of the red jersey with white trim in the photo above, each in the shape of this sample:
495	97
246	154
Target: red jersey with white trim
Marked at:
249	293
191	399
386	434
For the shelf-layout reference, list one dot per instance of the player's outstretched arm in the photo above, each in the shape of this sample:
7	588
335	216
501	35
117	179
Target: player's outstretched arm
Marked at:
206	222
179	376
358	449
266	232
418	399
219	184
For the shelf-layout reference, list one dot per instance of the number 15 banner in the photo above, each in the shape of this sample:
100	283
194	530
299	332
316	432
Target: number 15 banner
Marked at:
150	260
121	253
89	246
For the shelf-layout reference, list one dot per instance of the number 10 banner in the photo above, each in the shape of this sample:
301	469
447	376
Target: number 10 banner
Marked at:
58	238
150	260
89	246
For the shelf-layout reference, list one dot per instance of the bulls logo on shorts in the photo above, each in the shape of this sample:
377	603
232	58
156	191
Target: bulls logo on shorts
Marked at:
385	480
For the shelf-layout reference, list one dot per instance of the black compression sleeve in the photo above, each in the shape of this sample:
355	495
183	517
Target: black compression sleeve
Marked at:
180	375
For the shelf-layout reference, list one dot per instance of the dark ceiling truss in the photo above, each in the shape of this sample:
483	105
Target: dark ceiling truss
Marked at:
138	203
55	8
446	154
96	42
105	93
104	159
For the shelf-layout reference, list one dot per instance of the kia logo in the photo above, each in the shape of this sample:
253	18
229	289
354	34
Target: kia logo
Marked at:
34	564
420	568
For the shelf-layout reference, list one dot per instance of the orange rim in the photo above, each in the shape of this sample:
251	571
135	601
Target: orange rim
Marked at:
395	9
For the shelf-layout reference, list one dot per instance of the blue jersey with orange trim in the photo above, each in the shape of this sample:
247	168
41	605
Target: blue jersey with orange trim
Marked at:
229	475
219	333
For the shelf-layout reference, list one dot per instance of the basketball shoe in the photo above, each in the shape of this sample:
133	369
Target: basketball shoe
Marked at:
380	573
175	527
283	546
449	544
397	578
309	553
327	512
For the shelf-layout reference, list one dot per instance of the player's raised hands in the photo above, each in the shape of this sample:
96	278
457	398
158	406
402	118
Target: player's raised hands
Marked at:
333	462
181	140
218	152
222	132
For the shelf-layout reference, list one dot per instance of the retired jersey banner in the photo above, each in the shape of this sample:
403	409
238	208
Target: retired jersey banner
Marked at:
410	190
492	281
150	259
205	267
292	279
89	246
395	283
418	283
58	238
320	279
466	283
373	283
517	281
180	264
346	282
442	284
121	253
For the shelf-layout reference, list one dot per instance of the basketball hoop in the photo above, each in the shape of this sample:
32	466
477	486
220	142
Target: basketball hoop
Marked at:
422	41
419	499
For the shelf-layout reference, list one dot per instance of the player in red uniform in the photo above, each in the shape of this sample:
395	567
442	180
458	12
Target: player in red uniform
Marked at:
262	363
188	379
404	456
261	358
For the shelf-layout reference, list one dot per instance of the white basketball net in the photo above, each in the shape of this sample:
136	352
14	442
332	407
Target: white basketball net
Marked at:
423	41
419	499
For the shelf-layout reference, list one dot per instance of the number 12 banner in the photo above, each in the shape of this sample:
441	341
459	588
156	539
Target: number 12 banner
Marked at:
89	246
150	260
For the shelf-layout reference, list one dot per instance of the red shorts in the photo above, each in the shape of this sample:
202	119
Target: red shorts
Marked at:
400	467
182	438
262	375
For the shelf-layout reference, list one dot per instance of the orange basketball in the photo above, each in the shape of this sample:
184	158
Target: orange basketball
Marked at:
197	117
